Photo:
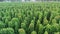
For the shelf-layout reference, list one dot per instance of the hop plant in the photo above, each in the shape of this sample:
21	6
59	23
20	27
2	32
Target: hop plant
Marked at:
31	27
2	25
45	32
55	27
33	32
57	18
40	15
14	23
41	27
23	25
48	28
54	21
56	32
7	31
15	20
45	21
21	31
37	25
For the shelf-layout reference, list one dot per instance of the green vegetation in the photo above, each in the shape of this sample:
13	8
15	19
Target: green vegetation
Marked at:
30	18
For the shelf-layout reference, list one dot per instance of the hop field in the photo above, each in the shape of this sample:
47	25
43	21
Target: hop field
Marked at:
30	18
